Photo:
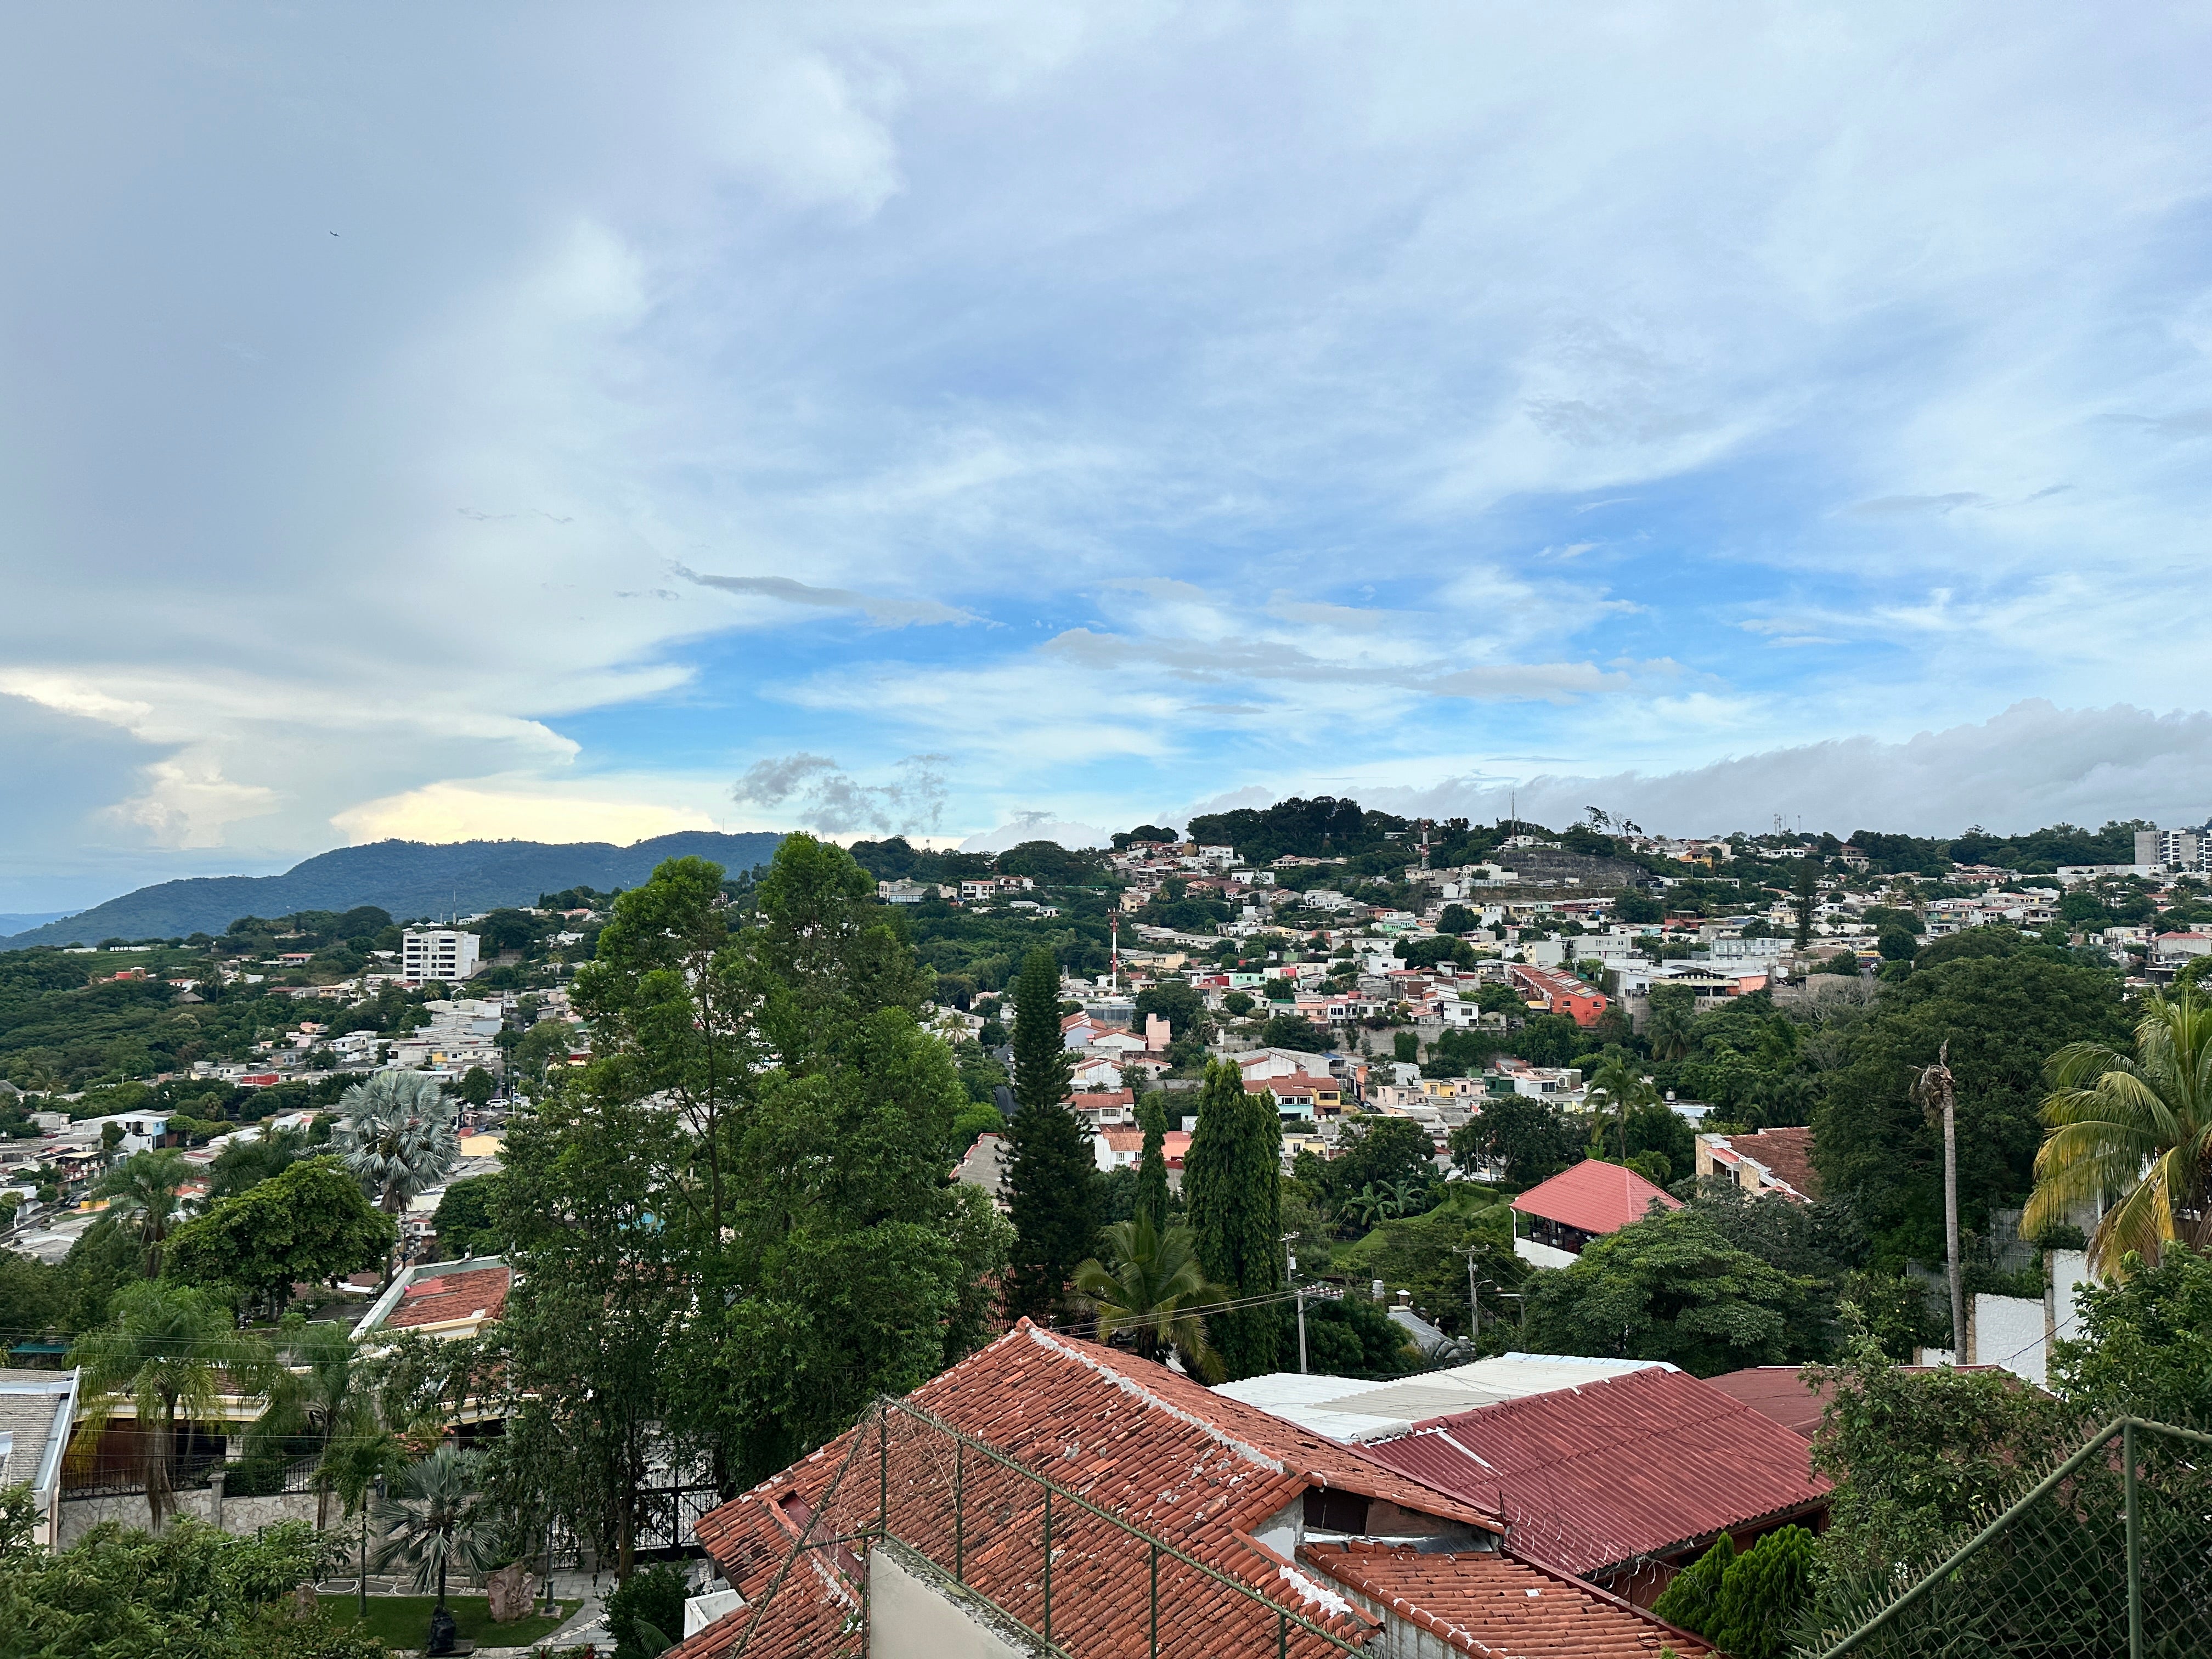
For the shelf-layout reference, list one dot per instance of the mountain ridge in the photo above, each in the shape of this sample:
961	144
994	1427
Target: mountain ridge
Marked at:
407	877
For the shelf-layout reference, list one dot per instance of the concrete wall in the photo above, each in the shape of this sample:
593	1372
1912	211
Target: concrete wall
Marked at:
916	1611
241	1515
2008	1331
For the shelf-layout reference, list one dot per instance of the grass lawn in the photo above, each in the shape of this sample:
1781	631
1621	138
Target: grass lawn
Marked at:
404	1622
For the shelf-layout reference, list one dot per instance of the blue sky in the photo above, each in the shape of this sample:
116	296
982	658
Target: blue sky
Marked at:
535	422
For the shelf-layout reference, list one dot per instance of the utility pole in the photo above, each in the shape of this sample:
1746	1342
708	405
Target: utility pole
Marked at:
1934	1087
1297	1290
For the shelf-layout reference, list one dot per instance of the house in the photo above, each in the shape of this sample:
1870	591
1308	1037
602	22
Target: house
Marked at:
1584	1201
1771	1160
1623	1480
1561	994
1175	1519
1116	1148
441	1298
37	1409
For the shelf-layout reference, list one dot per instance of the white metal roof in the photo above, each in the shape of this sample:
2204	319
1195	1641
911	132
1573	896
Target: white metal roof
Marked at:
1355	1409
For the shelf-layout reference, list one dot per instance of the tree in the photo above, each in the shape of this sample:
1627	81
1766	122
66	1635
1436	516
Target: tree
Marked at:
2134	1130
1692	1600
1763	1593
397	1136
1668	1287
1151	1288
1620	1087
307	1225
1050	1176
1294	1031
189	1590
1232	1184
463	1221
1458	918
644	1612
1666	1029
476	1087
2144	1348
243	1164
432	1521
1389	1152
2003	1012
1531	1139
172	1352
145	1187
1173	1000
1153	1162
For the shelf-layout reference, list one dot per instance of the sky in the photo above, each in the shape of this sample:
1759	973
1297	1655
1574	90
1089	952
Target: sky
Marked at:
581	422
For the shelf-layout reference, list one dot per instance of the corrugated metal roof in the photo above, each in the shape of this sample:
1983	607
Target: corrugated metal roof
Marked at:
1593	1197
1596	1477
1359	1409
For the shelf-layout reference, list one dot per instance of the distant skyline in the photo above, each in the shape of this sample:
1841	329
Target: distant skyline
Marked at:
565	424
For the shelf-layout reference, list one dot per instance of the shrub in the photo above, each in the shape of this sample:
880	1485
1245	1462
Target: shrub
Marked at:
645	1614
1763	1593
1693	1598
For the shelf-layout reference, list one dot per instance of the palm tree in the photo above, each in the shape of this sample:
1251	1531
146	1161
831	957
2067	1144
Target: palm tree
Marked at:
1370	1205
146	1187
1667	1027
322	1392
2134	1130
433	1521
398	1137
1152	1292
172	1352
1618	1085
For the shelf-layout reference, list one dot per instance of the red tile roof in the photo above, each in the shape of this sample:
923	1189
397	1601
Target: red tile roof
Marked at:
1788	1153
452	1295
1593	1197
1642	1463
1497	1603
1143	1442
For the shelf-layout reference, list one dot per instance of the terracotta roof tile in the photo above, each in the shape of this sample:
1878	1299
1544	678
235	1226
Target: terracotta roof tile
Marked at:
1160	1451
1493	1604
1594	1197
1788	1153
1642	1463
452	1295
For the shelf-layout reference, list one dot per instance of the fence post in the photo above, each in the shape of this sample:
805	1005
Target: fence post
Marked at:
1048	1563
959	1513
883	1473
1282	1635
1153	1650
2135	1538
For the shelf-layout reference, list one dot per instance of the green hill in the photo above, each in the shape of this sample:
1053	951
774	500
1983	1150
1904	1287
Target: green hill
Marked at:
407	877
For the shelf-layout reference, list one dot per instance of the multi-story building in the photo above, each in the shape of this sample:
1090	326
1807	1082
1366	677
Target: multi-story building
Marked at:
2176	849
443	954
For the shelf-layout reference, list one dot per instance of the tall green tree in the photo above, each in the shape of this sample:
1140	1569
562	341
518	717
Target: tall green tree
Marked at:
2133	1130
1232	1184
144	1190
1152	1161
2003	1011
307	1225
1667	1028
172	1352
1051	1176
397	1136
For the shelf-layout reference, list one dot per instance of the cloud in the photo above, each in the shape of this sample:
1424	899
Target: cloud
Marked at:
2033	764
1037	826
463	811
1906	505
832	801
884	612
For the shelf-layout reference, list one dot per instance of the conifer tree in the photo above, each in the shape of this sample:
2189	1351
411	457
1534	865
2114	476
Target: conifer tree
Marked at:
1050	1176
1232	1180
1152	1165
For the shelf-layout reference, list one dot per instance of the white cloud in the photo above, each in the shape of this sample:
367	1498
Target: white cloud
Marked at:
454	811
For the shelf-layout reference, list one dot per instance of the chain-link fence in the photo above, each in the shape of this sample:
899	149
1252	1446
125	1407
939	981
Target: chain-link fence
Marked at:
2109	1555
1069	1574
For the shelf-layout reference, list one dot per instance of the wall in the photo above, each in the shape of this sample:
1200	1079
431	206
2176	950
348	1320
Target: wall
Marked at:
241	1515
916	1611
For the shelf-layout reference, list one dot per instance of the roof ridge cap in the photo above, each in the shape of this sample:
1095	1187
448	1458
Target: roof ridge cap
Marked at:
1130	1385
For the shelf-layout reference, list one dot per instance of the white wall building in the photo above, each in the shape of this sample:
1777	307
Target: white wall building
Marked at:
443	954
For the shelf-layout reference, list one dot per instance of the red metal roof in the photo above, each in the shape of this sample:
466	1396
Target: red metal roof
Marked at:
1145	1443
1497	1603
1593	1197
1642	1463
1777	1393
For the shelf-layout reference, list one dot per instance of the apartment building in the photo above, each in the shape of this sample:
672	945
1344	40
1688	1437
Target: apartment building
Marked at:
443	954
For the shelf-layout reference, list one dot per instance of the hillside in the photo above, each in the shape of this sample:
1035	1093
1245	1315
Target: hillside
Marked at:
408	878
